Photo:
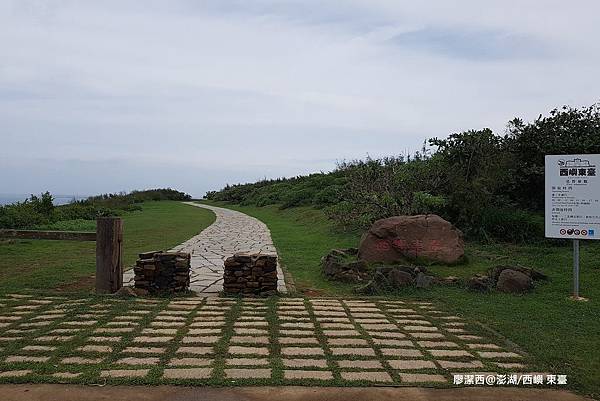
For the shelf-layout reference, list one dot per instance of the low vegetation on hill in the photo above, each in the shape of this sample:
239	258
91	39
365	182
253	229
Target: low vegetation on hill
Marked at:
40	211
491	186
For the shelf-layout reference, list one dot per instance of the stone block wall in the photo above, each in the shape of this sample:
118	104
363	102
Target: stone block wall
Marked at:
159	271
250	274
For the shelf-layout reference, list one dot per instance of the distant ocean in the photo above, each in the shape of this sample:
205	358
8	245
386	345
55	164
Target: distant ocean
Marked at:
7	199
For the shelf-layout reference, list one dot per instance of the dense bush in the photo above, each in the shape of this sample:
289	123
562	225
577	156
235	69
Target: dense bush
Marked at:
564	131
490	186
319	189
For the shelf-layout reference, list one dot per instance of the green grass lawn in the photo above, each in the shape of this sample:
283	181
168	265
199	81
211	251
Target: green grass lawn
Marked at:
561	335
69	265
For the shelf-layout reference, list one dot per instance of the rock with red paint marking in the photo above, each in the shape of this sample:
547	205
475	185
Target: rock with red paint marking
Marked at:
425	237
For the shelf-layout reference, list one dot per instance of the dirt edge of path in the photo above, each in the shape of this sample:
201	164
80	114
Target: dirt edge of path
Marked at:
63	392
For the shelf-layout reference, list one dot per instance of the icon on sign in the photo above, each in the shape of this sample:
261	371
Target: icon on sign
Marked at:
576	232
563	231
584	232
570	231
591	233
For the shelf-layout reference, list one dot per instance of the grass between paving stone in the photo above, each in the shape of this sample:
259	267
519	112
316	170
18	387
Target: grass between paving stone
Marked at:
111	308
322	338
68	266
378	354
559	334
222	346
275	358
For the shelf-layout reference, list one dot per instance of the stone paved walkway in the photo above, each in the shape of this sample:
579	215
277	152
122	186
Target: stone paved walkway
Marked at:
231	232
242	341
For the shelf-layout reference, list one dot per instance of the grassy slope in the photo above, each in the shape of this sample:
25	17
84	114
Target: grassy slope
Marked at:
51	264
561	335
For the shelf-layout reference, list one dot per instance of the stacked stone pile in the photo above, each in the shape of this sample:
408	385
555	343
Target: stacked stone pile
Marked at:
252	274
159	271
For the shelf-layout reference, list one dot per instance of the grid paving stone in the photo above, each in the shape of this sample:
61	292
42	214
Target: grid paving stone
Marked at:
304	363
159	331
247	361
298	325
341	333
297	340
149	339
344	326
426	335
118	373
248	373
250	324
190	362
387	334
509	365
421	378
51	338
469	337
449	353
95	348
411	364
26	358
16	373
352	351
115	330
307	375
201	332
347	341
150	360
65	331
288	332
246	331
77	360
241	350
200	339
187	373
393	342
144	350
39	348
112	339
483	346
195	350
167	325
305	351
401	352
438	344
400	336
359	364
493	354
460	364
378	376
66	375
249	340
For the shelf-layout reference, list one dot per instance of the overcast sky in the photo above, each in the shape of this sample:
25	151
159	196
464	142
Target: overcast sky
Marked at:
104	96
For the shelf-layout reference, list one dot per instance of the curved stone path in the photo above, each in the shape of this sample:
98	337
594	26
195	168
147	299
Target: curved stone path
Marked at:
231	232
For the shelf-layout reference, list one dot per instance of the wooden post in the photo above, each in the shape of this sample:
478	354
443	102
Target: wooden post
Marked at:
109	254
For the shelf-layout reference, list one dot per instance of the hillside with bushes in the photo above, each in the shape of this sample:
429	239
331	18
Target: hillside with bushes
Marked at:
40	211
491	186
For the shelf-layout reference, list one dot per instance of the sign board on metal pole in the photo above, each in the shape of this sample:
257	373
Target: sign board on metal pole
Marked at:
573	202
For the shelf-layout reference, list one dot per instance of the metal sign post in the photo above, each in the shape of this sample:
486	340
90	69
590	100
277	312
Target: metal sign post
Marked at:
575	269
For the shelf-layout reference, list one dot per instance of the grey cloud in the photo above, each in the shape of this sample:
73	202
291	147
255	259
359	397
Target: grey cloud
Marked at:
199	94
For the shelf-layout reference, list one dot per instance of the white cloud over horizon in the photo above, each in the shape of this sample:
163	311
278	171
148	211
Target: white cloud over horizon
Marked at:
118	95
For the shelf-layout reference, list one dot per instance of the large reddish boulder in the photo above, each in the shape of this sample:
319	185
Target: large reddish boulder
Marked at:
424	237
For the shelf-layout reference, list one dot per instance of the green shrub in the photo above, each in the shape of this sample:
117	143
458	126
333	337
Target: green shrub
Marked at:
41	212
69	225
490	186
509	225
